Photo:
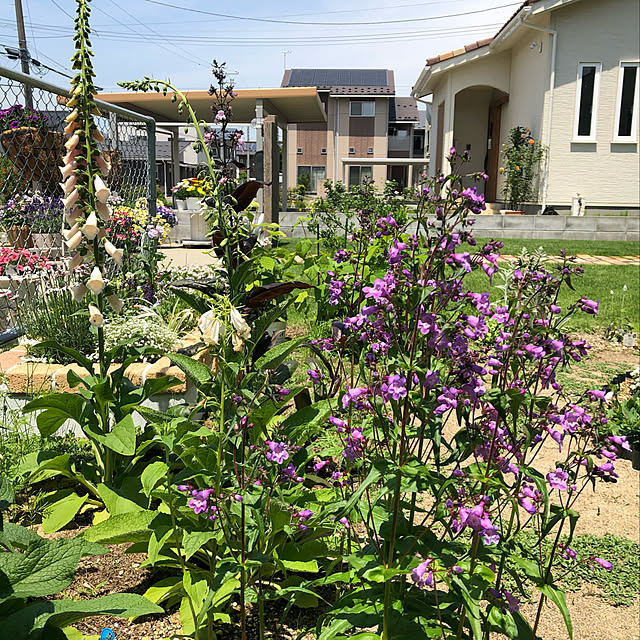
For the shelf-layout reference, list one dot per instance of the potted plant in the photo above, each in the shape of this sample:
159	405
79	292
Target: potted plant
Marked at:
522	155
30	143
33	220
191	191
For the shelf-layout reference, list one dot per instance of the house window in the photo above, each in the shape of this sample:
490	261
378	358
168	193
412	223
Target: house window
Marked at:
299	151
362	108
626	122
323	151
358	174
309	176
587	101
352	149
370	151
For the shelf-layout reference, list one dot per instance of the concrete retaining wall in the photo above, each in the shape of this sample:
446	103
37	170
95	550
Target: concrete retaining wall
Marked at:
534	227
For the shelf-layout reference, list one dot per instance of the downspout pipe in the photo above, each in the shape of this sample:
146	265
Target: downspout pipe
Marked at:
552	82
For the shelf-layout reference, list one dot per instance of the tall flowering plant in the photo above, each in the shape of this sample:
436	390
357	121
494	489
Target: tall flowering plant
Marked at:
449	399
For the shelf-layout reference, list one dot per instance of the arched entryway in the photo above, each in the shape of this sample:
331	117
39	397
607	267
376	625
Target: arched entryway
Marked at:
476	127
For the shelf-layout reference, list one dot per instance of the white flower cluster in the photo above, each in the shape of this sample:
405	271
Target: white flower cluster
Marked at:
195	271
635	385
144	330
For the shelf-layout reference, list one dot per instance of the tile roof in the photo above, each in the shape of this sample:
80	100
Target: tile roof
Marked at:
343	81
478	43
403	110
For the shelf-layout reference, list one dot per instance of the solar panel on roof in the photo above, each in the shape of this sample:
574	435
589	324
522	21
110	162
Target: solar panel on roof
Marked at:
338	78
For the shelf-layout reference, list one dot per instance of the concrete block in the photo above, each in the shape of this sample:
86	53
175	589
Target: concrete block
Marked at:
523	223
518	233
549	223
579	223
577	235
611	224
633	236
633	224
609	235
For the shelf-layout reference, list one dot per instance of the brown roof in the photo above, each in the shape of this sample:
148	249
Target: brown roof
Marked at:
403	110
478	43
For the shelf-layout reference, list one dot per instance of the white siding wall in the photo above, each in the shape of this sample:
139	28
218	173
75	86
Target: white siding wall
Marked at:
603	173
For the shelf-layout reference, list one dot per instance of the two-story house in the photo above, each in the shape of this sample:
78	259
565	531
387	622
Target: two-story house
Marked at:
369	133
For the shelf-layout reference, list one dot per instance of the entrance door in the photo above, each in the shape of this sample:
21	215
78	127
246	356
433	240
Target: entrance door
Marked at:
493	148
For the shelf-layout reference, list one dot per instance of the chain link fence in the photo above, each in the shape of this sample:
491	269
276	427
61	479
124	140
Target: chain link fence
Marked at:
32	114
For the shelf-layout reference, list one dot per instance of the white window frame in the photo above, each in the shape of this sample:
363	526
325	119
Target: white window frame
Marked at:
633	138
362	115
594	109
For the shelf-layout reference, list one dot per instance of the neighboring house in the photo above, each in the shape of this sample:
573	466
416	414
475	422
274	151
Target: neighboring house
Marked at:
568	70
369	132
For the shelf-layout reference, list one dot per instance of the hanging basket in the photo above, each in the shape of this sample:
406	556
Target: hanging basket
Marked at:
34	152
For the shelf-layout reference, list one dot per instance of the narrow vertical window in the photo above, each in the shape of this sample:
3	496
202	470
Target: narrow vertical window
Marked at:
627	102
587	100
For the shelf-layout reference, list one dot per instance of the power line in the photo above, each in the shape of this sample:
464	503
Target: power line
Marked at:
66	13
331	24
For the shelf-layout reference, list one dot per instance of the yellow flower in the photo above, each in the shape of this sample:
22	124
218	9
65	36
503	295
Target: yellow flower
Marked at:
501	169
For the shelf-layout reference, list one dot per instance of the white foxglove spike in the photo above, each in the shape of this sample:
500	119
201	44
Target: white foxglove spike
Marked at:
104	211
95	317
102	192
71	199
115	303
113	251
78	291
90	227
68	169
95	283
71	127
69	233
74	241
72	142
76	261
103	165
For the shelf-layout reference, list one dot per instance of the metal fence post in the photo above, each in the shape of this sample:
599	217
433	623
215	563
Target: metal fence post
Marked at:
152	168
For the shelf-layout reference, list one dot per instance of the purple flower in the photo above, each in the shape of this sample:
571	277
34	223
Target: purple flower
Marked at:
589	306
395	252
460	260
315	376
320	465
378	292
422	576
534	351
605	564
431	379
620	441
278	451
558	479
199	502
394	387
352	395
291	473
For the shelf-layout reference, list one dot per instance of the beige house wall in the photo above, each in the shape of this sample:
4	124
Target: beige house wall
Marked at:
292	156
604	173
380	142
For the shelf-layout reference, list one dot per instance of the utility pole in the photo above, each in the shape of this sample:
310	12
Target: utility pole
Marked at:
284	56
24	52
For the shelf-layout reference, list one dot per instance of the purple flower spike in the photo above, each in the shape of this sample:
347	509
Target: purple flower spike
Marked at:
558	479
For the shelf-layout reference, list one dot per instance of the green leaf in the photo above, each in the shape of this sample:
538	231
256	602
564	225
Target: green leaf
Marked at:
62	512
7	496
46	568
164	589
115	502
80	359
196	371
61	613
122	439
557	596
194	540
276	356
127	527
152	475
57	408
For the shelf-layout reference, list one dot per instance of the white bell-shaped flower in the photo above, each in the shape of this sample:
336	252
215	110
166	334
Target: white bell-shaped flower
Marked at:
71	199
239	324
72	142
113	251
95	283
90	227
74	241
115	303
69	233
104	210
95	317
102	192
76	261
78	291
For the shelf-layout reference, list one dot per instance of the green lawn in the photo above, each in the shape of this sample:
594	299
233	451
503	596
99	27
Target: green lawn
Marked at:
512	247
596	284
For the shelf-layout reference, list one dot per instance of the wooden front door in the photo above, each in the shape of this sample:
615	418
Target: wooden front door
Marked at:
493	148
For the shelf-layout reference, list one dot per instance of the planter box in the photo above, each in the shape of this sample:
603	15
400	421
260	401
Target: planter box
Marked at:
199	227
194	204
181	205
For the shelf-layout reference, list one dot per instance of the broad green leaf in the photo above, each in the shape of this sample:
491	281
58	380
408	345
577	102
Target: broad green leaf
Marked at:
61	613
193	541
116	503
62	512
127	527
196	371
152	475
164	589
276	356
557	596
122	439
7	496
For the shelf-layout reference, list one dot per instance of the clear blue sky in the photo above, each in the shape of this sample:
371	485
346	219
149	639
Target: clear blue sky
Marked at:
133	38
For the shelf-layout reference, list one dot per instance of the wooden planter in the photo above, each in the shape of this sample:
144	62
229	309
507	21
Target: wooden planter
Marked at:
34	152
20	237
